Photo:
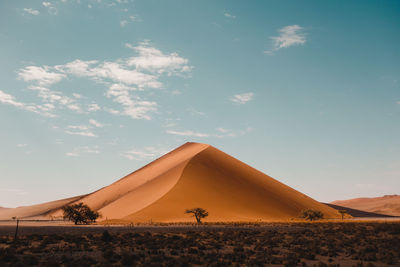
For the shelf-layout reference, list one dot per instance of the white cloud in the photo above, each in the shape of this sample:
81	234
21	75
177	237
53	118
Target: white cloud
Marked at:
93	107
96	123
187	133
78	151
79	127
123	76
123	23
242	98
228	15
82	133
52	97
31	11
21	145
222	130
46	4
41	75
289	36
153	60
44	110
146	153
78	96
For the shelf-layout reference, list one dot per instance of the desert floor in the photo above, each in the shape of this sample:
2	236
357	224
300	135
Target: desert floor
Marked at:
274	244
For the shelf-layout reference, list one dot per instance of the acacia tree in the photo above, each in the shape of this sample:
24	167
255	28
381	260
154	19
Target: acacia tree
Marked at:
342	213
310	214
198	213
80	213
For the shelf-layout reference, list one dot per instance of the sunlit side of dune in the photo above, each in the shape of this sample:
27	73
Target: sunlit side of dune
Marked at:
193	175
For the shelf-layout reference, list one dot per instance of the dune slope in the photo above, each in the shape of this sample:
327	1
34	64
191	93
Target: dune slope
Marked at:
39	211
193	175
389	205
230	191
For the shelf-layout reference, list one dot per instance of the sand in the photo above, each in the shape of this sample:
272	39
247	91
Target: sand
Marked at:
389	205
40	211
197	175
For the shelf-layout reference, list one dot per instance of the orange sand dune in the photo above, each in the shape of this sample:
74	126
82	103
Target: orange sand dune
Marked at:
198	175
40	211
389	205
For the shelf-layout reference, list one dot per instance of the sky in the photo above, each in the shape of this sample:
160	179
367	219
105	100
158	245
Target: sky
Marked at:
307	92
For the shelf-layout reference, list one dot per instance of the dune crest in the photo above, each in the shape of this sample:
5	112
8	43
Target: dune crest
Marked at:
198	175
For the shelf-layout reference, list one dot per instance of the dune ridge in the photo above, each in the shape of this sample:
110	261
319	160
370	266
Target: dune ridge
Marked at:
388	204
195	175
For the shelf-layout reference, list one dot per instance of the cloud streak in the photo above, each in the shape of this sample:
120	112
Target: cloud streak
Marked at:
289	36
242	98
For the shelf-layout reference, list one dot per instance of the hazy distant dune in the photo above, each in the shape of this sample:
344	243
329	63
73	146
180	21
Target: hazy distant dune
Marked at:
389	205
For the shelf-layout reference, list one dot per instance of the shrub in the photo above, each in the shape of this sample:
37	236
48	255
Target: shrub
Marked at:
310	214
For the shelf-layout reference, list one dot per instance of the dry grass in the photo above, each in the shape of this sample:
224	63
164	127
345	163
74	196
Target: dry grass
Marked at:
278	244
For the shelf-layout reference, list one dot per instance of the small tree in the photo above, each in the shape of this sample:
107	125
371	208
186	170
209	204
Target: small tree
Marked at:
198	213
80	213
310	214
342	213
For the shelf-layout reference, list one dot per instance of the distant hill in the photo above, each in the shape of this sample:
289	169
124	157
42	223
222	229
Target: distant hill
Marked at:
388	205
359	213
193	175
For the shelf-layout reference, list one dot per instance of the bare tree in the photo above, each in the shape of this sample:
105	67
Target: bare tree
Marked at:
198	213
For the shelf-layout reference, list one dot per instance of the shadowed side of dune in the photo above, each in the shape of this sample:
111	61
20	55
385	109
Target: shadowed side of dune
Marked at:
230	190
359	213
388	205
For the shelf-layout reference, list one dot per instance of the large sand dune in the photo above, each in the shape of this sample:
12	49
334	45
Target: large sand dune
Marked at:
198	175
389	205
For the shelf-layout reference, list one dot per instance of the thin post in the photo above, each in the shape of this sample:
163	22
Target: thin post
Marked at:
16	231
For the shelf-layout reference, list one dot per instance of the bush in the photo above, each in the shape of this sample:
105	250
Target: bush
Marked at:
310	214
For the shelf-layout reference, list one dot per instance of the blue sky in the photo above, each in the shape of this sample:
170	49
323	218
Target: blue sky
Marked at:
307	92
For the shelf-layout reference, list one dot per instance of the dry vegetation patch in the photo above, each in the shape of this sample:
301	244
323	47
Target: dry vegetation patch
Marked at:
299	244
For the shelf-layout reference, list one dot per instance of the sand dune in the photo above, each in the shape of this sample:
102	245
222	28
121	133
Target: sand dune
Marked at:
359	213
40	211
389	205
197	175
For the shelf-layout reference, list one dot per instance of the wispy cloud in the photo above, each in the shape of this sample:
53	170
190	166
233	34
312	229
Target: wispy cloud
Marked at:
124	76
84	130
42	75
96	123
21	145
93	107
229	15
82	133
44	109
31	11
289	36
146	153
187	133
242	98
50	8
78	151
